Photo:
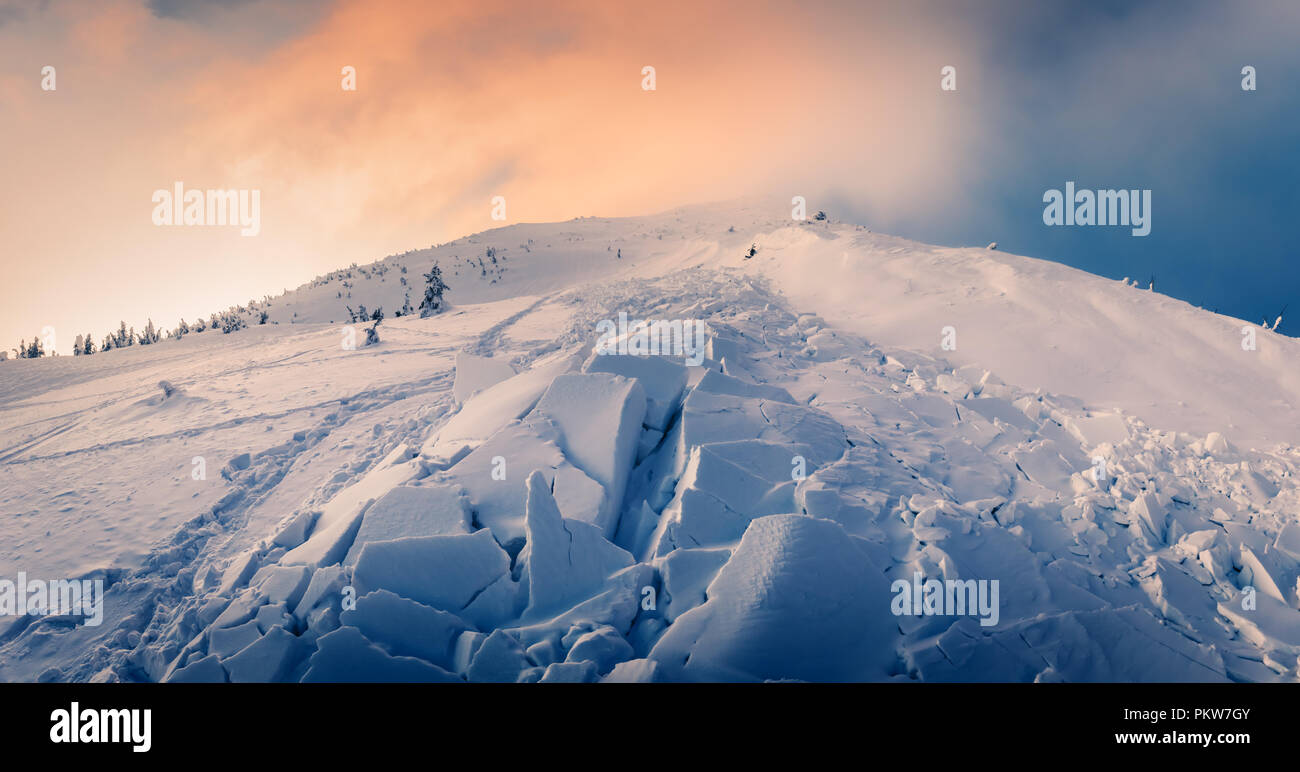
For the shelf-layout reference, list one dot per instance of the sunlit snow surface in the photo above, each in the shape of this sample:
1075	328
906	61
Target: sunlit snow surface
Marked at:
480	497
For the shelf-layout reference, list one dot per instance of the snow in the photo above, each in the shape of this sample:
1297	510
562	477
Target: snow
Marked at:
227	641
565	560
446	572
337	525
466	647
269	658
483	498
600	418
605	647
207	670
634	671
406	628
325	582
346	656
491	409
499	659
661	378
475	373
493	476
281	584
796	588
570	673
432	510
686	574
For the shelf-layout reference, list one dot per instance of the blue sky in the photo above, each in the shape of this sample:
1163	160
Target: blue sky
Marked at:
1130	95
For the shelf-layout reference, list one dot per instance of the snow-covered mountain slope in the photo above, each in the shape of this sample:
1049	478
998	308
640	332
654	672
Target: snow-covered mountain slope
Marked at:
481	496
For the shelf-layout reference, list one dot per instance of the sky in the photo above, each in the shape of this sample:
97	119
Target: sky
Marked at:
542	103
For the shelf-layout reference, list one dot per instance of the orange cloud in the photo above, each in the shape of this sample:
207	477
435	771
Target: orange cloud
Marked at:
456	102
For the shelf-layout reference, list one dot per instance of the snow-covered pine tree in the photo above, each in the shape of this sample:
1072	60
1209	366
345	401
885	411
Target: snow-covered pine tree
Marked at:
372	334
231	321
433	291
33	350
149	335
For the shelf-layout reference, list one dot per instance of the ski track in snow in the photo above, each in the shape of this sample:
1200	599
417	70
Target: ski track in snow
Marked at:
364	548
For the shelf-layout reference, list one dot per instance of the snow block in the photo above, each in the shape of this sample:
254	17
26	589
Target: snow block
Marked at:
997	409
239	571
544	652
971	474
337	525
1075	646
273	615
269	659
686	574
500	659
346	656
600	416
708	418
487	412
325	583
821	612
635	671
1098	428
719	348
446	572
663	381
694	518
617	606
714	418
715	382
281	584
433	510
1288	541
1044	465
565	560
405	627
722	488
201	671
498	603
570	673
1268	625
296	530
475	373
467	645
1217	445
493	476
578	496
1255	573
1147	511
240	610
603	647
227	641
